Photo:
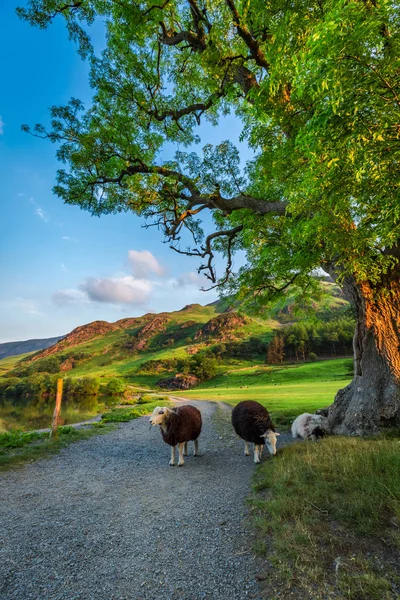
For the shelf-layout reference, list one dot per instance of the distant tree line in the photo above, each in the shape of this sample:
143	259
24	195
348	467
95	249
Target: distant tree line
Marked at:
203	365
39	389
310	339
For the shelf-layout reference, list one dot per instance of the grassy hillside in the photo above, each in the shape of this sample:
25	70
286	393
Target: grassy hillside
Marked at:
215	346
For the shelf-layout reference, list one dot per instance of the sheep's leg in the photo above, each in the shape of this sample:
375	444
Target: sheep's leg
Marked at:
256	454
185	450
246	449
196	448
181	462
172	461
261	447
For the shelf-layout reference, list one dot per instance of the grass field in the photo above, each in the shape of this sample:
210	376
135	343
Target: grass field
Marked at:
286	391
331	514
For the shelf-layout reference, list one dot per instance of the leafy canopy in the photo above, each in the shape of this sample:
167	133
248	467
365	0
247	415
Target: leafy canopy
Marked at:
316	86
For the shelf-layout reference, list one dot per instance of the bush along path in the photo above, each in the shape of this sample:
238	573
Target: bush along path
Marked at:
108	519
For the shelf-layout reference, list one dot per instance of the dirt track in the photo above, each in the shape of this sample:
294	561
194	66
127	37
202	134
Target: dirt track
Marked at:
108	519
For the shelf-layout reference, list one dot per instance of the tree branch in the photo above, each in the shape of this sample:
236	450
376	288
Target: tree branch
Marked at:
207	251
246	36
173	38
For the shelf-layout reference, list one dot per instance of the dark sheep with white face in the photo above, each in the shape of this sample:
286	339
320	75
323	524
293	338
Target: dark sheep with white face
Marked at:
178	426
252	423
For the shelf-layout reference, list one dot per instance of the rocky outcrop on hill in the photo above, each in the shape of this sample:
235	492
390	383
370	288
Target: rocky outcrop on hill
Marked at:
187	324
67	365
221	326
179	382
79	335
148	331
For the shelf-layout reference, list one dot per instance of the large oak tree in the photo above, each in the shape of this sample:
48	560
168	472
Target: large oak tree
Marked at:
316	88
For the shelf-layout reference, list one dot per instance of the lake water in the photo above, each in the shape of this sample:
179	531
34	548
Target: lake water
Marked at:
30	417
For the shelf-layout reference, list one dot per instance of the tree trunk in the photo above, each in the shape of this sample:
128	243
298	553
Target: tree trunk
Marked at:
372	400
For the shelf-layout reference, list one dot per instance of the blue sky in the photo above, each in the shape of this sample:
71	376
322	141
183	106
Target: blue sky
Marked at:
59	266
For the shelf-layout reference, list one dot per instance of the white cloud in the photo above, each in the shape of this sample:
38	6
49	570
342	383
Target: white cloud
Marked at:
122	290
71	296
63	268
1	126
143	263
67	238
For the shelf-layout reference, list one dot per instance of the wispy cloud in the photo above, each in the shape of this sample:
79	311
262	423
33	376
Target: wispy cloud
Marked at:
191	279
27	306
143	264
63	268
41	214
67	238
70	297
1	126
39	210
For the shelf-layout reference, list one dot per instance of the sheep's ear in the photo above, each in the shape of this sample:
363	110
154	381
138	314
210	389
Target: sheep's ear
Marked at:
276	433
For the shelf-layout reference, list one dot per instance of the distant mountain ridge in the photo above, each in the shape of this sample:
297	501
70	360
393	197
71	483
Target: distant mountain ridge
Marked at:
22	347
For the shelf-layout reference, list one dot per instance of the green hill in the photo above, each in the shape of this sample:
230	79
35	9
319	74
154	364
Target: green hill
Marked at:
195	347
127	347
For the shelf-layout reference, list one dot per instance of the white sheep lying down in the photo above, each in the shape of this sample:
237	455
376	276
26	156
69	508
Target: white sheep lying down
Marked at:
310	427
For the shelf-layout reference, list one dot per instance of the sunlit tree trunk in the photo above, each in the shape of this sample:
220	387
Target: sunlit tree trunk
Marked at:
372	400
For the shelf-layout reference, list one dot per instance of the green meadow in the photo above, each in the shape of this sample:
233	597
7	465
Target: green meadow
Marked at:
286	391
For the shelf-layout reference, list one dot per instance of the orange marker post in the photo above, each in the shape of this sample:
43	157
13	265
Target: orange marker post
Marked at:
57	408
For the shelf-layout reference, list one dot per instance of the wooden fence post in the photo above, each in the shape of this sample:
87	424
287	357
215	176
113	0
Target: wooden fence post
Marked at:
57	408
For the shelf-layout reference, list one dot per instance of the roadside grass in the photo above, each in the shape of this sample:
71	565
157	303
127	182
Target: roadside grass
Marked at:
286	391
328	519
19	447
121	415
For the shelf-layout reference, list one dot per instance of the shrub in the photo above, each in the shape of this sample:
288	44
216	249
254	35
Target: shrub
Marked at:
115	387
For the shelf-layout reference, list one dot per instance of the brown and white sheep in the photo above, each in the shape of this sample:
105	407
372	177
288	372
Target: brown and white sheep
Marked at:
252	423
178	426
310	427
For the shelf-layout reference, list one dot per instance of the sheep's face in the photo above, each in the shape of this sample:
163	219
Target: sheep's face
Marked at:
158	415
270	440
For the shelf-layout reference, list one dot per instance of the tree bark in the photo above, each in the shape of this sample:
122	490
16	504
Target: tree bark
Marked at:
372	400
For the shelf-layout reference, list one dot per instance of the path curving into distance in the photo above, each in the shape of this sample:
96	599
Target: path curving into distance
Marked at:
108	519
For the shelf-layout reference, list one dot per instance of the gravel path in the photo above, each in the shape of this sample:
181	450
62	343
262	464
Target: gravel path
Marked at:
108	519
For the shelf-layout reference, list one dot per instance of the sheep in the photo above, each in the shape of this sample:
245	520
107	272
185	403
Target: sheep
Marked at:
252	423
178	425
310	427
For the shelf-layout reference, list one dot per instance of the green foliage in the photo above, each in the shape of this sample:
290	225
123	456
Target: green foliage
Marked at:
146	398
316	86
203	367
328	338
123	415
115	387
18	439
